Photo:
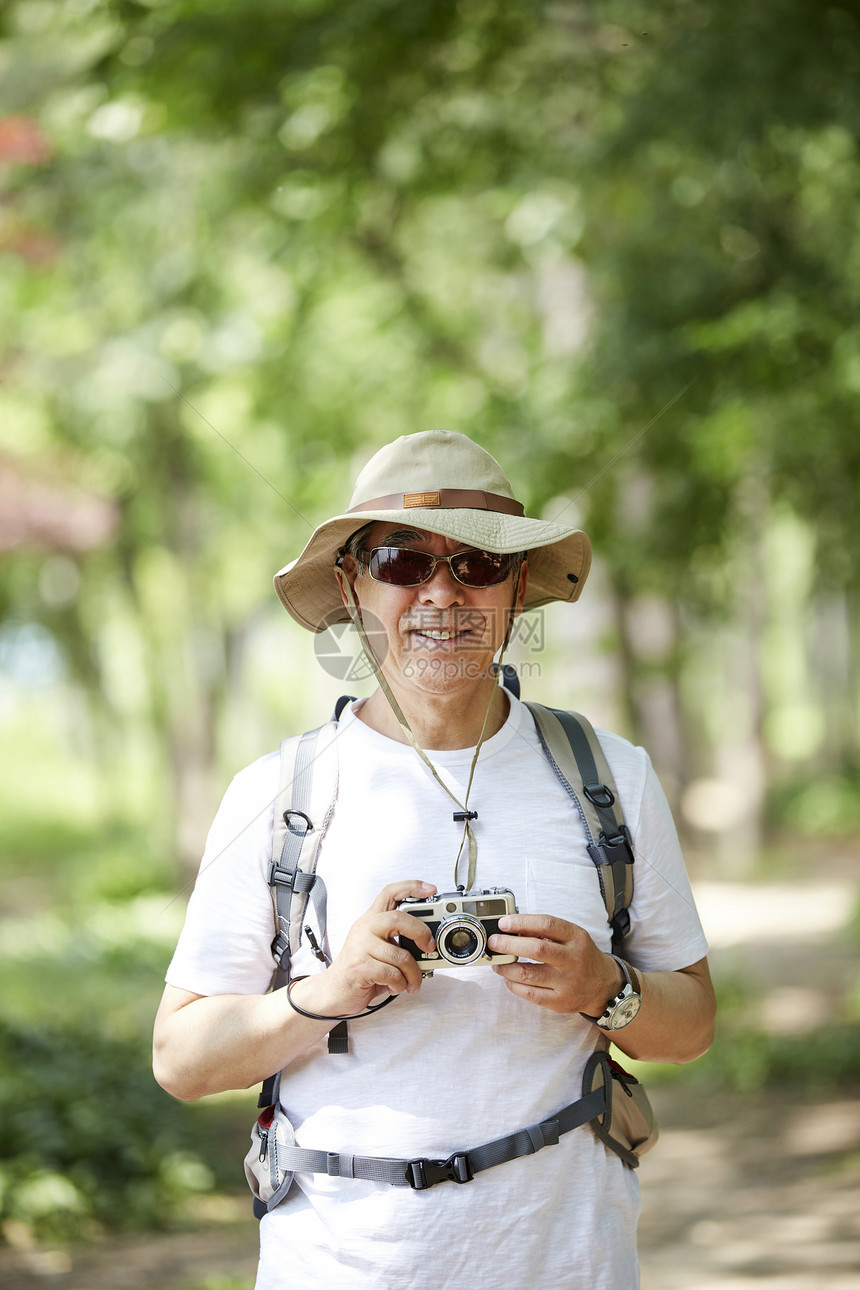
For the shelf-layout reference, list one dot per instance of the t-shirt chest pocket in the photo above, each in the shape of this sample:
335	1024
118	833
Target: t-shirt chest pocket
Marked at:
568	889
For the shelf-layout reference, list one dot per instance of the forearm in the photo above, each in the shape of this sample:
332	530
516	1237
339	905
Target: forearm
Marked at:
207	1044
676	1020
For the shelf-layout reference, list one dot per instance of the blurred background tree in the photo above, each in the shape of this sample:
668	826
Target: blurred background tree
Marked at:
243	245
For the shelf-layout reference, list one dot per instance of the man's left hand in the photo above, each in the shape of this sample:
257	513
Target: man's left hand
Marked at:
568	973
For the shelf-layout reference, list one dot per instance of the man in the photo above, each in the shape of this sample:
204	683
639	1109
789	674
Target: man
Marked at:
437	554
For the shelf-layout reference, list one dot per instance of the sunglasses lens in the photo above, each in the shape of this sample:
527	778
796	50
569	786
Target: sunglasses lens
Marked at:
481	568
400	567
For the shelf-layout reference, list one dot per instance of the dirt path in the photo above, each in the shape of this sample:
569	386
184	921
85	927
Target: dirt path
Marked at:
765	1193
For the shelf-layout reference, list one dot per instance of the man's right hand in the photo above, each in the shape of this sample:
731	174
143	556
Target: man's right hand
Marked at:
207	1043
371	962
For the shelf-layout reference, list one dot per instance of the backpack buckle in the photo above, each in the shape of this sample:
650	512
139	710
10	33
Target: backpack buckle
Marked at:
421	1174
279	877
611	850
280	946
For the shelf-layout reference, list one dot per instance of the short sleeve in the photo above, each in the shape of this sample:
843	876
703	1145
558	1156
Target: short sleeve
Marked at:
225	944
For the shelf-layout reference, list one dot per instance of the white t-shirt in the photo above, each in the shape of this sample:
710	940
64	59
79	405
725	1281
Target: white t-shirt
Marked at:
464	1061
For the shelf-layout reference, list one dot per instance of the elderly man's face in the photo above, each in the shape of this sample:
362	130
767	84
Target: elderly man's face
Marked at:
441	635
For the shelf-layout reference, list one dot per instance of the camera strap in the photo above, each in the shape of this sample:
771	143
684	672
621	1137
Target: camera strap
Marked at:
463	816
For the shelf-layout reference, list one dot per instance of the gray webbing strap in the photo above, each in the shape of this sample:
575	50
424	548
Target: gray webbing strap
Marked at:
307	791
292	886
574	750
461	1166
587	751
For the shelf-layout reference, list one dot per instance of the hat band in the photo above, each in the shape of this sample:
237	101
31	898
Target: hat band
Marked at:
445	499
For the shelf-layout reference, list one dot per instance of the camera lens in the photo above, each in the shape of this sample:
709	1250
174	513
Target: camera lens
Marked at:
462	940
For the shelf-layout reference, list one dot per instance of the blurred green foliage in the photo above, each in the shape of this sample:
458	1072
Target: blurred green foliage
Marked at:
240	247
817	806
814	1063
87	1141
304	232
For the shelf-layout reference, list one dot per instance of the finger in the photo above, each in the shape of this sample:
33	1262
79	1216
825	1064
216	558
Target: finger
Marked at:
395	957
535	994
544	926
375	960
391	895
397	922
380	969
534	974
396	978
529	947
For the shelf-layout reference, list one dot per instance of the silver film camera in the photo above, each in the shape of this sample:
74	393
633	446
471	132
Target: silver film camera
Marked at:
461	923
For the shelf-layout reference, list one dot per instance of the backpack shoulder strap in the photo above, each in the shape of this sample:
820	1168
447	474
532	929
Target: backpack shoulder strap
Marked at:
307	791
573	750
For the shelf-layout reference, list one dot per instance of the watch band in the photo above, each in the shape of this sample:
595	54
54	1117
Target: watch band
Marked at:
626	1002
632	974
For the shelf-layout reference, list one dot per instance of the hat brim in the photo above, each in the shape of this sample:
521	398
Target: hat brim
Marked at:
559	557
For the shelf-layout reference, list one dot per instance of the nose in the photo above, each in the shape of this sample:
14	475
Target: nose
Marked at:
442	588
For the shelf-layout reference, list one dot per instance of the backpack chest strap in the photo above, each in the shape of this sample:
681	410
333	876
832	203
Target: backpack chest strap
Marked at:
460	1167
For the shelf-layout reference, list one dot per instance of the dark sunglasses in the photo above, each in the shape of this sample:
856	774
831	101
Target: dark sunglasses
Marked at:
401	567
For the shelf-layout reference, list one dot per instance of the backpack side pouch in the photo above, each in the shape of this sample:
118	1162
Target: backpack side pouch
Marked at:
628	1126
268	1179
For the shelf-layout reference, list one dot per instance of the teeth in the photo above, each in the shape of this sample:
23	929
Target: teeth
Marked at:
440	636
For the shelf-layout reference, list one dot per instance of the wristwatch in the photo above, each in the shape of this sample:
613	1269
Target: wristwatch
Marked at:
624	1006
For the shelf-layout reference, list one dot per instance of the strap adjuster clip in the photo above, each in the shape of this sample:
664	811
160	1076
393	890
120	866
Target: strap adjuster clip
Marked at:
279	877
620	925
421	1174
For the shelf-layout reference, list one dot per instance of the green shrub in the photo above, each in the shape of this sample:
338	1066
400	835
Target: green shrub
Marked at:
87	1139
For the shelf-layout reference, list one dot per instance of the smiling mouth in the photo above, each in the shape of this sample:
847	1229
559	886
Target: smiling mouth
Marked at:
440	635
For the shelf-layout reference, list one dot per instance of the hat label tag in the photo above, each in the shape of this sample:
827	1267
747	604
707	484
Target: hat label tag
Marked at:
421	499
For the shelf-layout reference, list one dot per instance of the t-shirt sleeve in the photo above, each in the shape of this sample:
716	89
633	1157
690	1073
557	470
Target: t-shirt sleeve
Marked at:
225	944
666	933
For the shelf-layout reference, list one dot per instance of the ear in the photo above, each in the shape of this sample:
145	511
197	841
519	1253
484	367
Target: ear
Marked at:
348	569
338	573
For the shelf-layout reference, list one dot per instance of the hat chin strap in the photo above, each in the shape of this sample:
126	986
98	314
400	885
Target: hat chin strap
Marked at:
468	839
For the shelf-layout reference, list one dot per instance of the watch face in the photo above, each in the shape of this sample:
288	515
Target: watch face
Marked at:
624	1012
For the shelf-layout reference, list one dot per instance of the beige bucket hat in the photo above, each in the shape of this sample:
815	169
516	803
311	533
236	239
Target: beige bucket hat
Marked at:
442	482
